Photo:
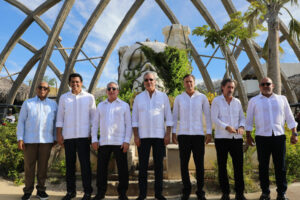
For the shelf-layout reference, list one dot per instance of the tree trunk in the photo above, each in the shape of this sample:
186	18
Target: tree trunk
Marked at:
273	70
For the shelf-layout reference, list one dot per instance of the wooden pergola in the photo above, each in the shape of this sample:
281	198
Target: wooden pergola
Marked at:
43	54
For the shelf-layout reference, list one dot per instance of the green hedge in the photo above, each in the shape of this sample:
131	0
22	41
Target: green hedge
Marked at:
11	158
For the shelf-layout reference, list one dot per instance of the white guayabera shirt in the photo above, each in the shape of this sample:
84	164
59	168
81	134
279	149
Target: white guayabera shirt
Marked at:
114	121
75	114
270	115
150	114
36	122
189	111
224	114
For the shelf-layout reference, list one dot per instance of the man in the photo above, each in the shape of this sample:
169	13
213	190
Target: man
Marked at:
228	117
188	109
74	116
10	117
113	117
36	134
270	111
151	109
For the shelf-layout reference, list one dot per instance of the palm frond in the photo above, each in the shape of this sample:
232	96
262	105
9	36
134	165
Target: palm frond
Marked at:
294	27
294	2
265	50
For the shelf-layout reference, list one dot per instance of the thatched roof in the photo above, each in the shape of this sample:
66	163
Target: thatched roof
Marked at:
99	92
5	85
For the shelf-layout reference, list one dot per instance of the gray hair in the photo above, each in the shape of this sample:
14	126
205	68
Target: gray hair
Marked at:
149	72
112	83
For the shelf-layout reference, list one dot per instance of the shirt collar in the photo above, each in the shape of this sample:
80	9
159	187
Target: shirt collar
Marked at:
222	97
196	93
147	93
117	100
262	96
79	94
39	100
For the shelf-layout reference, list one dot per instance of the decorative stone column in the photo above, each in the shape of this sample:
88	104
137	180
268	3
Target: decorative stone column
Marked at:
177	35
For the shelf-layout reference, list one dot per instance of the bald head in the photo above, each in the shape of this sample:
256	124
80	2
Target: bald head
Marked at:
43	83
43	90
266	86
266	79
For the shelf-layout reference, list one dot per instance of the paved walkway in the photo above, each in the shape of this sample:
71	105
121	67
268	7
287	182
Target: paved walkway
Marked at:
9	191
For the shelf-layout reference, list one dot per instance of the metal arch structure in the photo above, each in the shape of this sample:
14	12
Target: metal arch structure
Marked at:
43	55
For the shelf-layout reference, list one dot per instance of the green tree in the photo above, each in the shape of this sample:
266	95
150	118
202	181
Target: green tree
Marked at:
245	26
269	10
171	65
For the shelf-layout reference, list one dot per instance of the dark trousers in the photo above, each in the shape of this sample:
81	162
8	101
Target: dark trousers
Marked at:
36	154
158	148
275	146
104	155
235	148
195	144
82	147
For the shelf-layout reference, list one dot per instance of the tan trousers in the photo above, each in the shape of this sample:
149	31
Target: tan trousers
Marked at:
36	154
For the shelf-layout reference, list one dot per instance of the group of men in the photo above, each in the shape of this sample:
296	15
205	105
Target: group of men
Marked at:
77	119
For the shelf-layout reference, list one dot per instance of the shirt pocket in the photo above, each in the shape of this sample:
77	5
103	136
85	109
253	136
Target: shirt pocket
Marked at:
159	105
49	113
69	105
158	114
224	111
142	107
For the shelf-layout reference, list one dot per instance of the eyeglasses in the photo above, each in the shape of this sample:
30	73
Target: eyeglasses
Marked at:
150	79
42	88
265	84
111	88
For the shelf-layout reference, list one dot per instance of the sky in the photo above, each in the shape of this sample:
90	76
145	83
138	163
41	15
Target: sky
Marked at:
148	22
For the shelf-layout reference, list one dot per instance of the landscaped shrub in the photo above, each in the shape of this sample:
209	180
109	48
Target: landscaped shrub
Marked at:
292	159
11	158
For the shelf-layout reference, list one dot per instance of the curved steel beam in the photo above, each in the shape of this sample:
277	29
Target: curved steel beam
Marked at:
285	31
47	52
226	50
34	50
113	42
22	28
22	75
201	66
290	93
42	24
79	43
250	50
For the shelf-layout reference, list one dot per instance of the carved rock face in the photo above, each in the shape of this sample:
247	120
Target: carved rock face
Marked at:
134	64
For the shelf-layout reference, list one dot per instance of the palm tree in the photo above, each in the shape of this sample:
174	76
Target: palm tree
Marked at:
269	10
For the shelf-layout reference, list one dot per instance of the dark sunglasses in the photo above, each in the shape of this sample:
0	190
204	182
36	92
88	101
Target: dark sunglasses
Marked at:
42	88
111	88
265	84
150	79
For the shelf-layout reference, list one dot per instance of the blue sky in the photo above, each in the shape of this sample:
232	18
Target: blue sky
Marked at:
147	23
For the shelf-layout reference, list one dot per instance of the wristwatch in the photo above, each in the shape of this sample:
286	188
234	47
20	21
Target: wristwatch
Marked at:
295	134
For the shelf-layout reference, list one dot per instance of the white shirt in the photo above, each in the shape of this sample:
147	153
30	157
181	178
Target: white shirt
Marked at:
149	114
224	114
75	114
115	123
189	111
10	118
270	115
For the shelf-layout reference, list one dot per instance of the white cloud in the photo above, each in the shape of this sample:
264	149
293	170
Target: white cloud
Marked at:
32	4
110	71
198	81
50	14
93	46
